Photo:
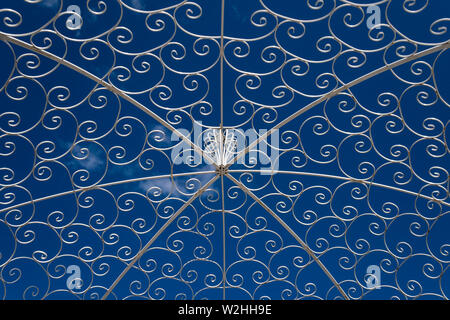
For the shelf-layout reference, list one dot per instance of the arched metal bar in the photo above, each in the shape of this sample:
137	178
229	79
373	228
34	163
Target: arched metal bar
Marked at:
157	234
103	185
106	85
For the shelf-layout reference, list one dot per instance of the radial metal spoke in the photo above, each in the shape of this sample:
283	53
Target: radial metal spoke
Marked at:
292	233
157	234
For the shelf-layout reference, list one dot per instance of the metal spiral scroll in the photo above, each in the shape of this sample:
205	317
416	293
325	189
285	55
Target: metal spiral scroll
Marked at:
91	102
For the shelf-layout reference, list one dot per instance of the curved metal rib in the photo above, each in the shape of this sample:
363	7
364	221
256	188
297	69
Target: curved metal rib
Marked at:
103	185
222	27
223	237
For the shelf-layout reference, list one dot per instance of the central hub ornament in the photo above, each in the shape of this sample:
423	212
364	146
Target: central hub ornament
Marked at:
222	170
220	146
